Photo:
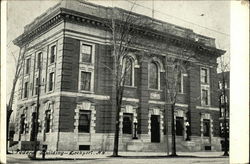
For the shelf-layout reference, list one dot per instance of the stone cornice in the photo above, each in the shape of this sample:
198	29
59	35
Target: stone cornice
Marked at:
67	15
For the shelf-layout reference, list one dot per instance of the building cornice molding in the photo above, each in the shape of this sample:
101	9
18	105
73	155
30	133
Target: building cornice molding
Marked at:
67	15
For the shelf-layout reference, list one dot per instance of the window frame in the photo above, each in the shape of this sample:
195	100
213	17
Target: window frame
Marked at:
39	62
47	121
89	114
158	75
51	82
27	66
26	89
207	101
132	76
91	52
206	133
206	77
50	53
130	115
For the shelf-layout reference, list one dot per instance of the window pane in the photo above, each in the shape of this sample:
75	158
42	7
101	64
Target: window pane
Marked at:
179	126
85	81
204	75
153	76
204	97
51	81
128	69
27	66
86	53
26	89
179	82
52	54
84	121
47	121
127	123
36	86
39	60
206	127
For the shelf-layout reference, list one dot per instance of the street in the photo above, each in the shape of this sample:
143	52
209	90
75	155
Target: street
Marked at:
126	157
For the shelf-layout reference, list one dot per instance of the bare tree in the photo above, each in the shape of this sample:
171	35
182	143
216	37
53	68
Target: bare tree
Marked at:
123	26
19	66
176	67
223	100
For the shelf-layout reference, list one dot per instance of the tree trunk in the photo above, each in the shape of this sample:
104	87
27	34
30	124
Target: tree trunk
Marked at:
173	132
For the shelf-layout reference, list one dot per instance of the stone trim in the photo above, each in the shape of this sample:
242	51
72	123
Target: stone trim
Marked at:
159	112
85	105
127	109
181	113
208	117
207	108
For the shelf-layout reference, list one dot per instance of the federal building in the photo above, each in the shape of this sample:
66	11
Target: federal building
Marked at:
70	46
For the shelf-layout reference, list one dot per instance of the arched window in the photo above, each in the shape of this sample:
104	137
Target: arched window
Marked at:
153	76
128	72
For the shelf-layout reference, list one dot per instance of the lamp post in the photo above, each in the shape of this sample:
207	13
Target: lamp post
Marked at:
135	130
187	130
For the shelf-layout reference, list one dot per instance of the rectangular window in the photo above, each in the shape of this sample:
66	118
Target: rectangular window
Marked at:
25	94
86	53
179	126
204	97
51	81
52	53
206	127
27	66
180	83
22	124
127	123
204	75
47	121
36	86
85	81
84	121
39	60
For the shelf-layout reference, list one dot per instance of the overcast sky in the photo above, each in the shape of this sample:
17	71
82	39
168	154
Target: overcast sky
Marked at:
210	18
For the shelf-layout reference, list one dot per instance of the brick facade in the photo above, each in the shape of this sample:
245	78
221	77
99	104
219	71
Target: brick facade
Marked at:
71	28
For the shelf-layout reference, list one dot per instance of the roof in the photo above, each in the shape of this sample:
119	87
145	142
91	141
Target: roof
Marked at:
85	9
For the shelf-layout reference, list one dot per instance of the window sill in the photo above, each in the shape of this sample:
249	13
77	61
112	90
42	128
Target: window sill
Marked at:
155	90
127	86
89	92
87	63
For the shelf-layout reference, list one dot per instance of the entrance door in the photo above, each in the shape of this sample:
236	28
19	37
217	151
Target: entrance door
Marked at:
155	128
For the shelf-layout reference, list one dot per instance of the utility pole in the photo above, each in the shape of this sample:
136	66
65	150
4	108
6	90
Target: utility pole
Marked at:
37	108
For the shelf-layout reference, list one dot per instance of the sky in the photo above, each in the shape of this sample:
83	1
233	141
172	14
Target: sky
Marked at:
209	18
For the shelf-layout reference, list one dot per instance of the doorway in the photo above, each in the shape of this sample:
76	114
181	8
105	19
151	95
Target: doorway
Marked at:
155	128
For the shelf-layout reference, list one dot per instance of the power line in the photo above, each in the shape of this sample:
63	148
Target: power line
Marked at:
180	19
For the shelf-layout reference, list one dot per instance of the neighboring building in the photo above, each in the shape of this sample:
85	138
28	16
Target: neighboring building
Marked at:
72	45
224	102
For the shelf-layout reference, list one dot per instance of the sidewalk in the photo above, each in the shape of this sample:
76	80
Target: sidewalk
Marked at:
101	155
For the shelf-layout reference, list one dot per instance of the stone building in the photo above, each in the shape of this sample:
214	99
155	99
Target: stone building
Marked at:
71	43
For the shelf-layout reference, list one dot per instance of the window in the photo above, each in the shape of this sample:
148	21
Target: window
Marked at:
204	75
22	124
204	97
180	82
220	85
153	76
47	121
206	127
39	60
85	81
27	66
51	81
127	123
84	121
86	53
36	86
128	72
179	126
25	94
52	53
